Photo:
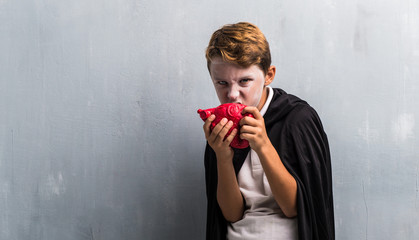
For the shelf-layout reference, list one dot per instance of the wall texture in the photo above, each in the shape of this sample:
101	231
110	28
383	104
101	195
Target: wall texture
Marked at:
99	137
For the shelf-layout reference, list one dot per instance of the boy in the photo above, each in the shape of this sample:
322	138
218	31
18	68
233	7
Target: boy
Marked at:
281	186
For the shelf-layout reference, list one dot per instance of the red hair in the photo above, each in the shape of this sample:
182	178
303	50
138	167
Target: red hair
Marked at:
242	43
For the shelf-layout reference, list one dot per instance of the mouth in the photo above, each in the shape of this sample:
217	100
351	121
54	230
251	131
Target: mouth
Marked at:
235	102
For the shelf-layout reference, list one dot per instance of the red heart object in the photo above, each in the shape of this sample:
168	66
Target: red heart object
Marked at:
231	111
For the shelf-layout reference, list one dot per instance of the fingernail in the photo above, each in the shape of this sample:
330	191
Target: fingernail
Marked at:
223	121
230	123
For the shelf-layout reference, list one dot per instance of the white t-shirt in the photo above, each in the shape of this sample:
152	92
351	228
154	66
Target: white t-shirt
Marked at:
263	218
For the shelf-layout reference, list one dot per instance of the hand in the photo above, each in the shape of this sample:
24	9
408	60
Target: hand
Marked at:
253	129
216	138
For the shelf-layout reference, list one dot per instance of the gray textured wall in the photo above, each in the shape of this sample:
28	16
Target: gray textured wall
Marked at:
99	138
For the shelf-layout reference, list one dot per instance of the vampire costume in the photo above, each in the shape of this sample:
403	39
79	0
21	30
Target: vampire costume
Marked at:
296	132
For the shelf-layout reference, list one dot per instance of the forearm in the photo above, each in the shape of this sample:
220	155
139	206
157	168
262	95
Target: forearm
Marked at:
282	183
229	196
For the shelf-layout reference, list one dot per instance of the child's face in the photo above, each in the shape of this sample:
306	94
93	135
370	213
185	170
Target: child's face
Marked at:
235	84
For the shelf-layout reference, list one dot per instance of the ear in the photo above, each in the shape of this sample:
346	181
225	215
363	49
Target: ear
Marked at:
270	75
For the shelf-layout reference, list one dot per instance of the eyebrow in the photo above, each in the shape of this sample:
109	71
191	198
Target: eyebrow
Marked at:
247	76
242	77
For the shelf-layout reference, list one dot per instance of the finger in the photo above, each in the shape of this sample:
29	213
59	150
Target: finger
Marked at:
207	125
247	136
225	130
254	111
248	129
230	137
248	121
217	129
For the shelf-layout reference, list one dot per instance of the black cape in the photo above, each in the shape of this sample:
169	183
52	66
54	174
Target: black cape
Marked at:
297	134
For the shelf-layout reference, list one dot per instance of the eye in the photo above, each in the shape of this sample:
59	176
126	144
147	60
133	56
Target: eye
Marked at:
222	83
245	80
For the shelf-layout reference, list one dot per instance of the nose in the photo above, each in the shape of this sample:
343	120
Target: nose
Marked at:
233	94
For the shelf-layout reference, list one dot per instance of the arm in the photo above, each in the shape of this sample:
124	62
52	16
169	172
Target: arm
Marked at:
282	183
229	196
